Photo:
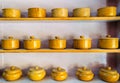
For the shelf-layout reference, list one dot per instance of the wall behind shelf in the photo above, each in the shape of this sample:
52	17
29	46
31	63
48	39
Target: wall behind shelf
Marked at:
46	29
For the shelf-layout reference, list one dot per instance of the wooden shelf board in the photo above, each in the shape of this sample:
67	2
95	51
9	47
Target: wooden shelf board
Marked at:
61	51
69	18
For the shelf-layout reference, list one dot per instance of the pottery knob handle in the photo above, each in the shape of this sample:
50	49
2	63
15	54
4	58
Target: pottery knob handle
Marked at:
56	37
36	67
10	37
84	68
31	37
12	67
109	68
108	36
58	68
81	36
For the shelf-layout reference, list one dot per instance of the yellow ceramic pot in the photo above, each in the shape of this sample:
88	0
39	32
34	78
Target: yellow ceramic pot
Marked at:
60	12
11	13
10	43
57	43
32	43
12	73
36	73
84	74
81	12
108	42
36	12
108	74
107	11
82	43
59	74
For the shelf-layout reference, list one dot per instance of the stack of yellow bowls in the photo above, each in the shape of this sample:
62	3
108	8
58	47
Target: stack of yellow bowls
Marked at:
11	13
36	12
60	12
107	11
81	12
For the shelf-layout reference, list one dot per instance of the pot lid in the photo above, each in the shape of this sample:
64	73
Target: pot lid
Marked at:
32	38
58	70
12	70
84	70
83	38
57	38
108	70
9	38
109	37
36	69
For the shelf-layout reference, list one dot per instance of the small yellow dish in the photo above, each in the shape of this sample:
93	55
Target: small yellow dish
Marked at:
12	73
32	43
36	12
36	73
109	75
81	12
57	43
10	43
84	74
11	13
82	43
109	11
60	12
59	74
108	42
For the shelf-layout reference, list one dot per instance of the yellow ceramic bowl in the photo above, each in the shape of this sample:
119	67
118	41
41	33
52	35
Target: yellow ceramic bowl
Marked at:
32	43
108	42
10	43
82	43
109	75
36	12
11	13
81	12
57	43
60	12
84	74
59	74
110	11
12	73
36	73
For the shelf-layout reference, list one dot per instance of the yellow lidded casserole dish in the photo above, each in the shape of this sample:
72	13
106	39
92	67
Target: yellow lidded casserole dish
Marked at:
10	43
36	73
12	73
108	42
11	13
84	74
109	11
60	12
108	74
59	74
81	12
82	43
32	43
36	12
57	43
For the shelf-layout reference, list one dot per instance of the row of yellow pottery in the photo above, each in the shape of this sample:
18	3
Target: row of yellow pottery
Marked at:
59	74
81	43
107	11
58	12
